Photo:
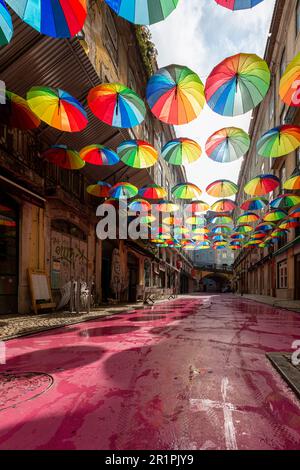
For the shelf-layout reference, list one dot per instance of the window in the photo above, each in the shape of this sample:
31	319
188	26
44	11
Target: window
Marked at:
298	18
282	275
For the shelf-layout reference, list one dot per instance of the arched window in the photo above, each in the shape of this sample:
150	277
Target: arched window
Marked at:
64	226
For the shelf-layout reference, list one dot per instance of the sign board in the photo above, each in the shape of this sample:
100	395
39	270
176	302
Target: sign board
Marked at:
41	296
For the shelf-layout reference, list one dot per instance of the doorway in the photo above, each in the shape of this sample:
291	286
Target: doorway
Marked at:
133	276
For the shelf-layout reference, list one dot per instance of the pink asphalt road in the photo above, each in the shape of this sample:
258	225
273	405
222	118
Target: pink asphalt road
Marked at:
185	374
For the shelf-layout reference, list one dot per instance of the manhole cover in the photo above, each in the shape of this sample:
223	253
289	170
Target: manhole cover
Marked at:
17	387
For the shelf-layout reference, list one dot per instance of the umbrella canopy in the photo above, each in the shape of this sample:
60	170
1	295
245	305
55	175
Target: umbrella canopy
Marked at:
147	219
227	145
203	246
63	157
285	201
200	230
116	105
57	108
265	227
139	205
279	141
238	4
223	229
144	12
289	87
56	18
247	218
172	221
194	220
181	151
244	228
186	191
262	185
279	233
167	206
6	26
258	234
137	153
295	213
175	94
99	155
17	114
254	204
221	220
222	188
290	223
292	183
153	191
219	238
274	216
223	205
7	221
123	191
100	189
237	236
196	207
237	85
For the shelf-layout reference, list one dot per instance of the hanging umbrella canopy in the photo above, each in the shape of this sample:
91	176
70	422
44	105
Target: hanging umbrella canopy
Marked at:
274	216
123	190
172	221
221	220
167	206
153	191
99	155
203	246
223	205
143	12
63	157
278	233
57	108
181	231
289	223
262	185
292	183
279	141
235	247
265	227
116	105
295	213
219	247
17	114
194	220
258	235
253	242
247	218
199	238
237	236
55	18
175	94
181	151
237	85
7	221
238	4
285	201
147	219
219	238
200	230
6	26
196	207
222	188
100	189
221	229
137	153
227	145
254	204
186	191
289	87
139	205
244	228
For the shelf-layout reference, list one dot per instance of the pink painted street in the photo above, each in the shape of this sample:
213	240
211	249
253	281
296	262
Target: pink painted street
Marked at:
185	374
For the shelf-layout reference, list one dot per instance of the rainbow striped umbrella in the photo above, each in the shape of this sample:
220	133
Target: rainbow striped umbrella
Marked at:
167	206
258	234
253	242
147	219
123	191
244	228
139	205
7	221
279	233
295	213
237	236
55	18
99	155
285	201
100	189
223	229
227	145
186	191
235	247
194	220
222	188
200	230
57	108
238	4
16	113
274	216
289	87
219	247
221	220
116	105
293	183
237	85
175	94
196	207
247	218
181	231
199	238
223	205
203	246
181	151
254	204
63	157
137	153
153	191
219	238
265	227
144	12
262	185
172	221
290	223
279	141
6	26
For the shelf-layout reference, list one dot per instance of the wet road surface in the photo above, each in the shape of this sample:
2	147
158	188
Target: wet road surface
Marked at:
185	374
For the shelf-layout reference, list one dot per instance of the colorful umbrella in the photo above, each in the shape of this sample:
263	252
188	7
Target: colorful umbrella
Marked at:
274	216
221	229
262	185
153	191
99	155
219	238
295	213
137	153
223	205
200	230
222	188
238	236
235	247
63	157
258	235
292	183
123	191
16	113
144	12
247	218
285	201
265	227
167	206
175	94
238	4
181	151
289	223
203	246
279	141
289	87
56	18
172	221
196	207
199	238
227	145
195	220
221	220
237	85
6	26
244	228
254	204
147	219
57	108
7	221
186	191
100	189
116	105
139	205
279	233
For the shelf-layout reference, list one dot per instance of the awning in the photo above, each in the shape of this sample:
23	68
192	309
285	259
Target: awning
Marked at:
23	193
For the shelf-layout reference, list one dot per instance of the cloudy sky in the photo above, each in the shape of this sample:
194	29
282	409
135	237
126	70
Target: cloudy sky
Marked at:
200	34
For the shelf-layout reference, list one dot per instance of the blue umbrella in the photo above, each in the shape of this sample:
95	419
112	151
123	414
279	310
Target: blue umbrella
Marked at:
6	26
